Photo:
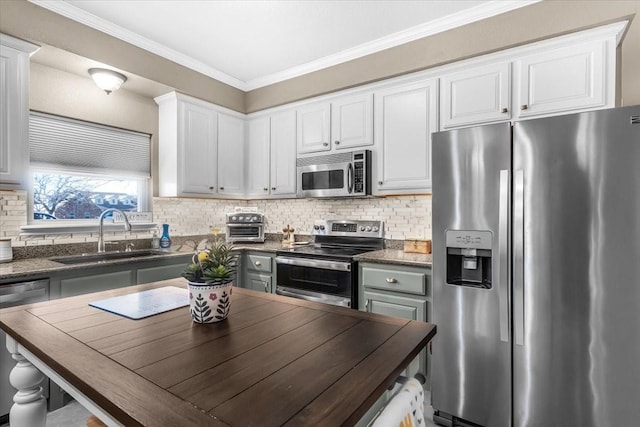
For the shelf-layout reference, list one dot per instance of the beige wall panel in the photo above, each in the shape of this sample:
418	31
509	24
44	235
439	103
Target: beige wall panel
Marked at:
536	22
25	20
65	94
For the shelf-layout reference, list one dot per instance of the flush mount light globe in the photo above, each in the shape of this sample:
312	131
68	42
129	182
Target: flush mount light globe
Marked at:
107	80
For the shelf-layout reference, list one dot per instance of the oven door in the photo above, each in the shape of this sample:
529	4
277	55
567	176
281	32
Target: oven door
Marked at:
315	280
245	233
325	180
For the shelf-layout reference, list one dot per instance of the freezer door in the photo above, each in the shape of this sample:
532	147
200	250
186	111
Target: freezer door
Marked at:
471	351
576	283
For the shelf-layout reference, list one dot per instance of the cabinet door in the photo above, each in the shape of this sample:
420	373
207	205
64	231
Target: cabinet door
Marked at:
95	283
352	122
230	156
259	282
406	308
163	272
478	95
14	116
313	128
198	153
258	152
405	117
565	79
283	153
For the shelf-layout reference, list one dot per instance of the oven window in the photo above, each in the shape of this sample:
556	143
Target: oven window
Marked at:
248	231
323	180
332	282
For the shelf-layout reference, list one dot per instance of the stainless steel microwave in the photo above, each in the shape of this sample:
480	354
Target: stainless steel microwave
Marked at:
345	174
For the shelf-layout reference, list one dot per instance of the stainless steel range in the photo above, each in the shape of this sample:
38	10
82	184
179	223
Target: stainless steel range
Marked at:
326	271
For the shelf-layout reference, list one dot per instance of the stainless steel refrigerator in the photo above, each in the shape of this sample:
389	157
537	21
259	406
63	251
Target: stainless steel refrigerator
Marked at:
536	271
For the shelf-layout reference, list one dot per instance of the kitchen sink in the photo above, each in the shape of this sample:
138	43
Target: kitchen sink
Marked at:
106	256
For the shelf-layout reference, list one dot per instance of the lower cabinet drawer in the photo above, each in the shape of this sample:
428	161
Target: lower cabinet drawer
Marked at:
395	280
259	263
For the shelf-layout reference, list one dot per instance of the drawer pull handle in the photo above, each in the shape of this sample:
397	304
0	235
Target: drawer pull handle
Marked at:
258	263
266	287
392	280
504	110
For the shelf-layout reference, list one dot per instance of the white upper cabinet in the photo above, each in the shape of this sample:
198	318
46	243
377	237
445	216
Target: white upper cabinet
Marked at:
283	153
230	155
352	122
201	149
258	153
475	95
197	153
343	123
314	124
405	117
271	155
14	111
564	79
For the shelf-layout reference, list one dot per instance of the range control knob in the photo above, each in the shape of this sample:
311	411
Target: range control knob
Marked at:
362	228
368	228
316	227
322	227
234	218
375	228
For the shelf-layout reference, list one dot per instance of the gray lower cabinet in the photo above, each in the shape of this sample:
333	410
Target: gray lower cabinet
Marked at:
258	271
399	291
103	278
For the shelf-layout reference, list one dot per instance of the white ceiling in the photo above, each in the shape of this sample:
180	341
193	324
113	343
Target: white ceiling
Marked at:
249	44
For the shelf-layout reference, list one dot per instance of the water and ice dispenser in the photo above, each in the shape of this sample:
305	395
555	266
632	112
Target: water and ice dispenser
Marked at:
469	255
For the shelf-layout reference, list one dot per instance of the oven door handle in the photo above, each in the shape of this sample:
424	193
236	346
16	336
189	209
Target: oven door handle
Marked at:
315	263
313	296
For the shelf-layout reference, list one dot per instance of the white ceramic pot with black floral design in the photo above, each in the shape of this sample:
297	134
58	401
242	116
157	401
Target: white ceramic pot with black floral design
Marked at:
209	302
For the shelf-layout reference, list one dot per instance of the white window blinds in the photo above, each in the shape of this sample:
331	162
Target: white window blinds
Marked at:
74	145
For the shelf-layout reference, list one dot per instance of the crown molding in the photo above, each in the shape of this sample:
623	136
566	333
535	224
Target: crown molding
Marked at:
483	11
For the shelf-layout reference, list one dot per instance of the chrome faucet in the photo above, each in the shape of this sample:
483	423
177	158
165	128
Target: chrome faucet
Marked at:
127	226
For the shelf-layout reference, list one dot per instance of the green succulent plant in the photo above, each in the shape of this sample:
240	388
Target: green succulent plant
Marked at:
216	264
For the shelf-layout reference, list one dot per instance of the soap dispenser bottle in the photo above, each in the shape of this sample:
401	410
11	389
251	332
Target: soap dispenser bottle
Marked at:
165	240
155	240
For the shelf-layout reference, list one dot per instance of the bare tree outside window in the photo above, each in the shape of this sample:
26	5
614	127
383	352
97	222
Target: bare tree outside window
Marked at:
58	196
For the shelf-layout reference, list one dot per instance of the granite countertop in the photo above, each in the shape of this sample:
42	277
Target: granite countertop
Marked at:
396	257
43	266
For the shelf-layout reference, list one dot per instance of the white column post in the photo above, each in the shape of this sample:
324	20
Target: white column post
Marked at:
29	405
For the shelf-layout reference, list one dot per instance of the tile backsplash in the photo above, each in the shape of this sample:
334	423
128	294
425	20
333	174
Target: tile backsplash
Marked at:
405	217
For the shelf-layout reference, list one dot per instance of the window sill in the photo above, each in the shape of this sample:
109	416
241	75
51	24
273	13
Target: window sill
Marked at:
85	227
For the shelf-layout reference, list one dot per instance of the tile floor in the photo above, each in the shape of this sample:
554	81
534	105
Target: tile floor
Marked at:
75	415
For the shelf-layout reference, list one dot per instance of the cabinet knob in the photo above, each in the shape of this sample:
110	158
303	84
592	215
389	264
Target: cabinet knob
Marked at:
392	280
266	189
379	182
326	144
258	263
211	188
266	287
505	110
221	188
366	306
273	188
336	142
524	107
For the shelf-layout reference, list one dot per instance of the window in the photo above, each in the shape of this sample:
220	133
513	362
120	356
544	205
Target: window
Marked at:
80	169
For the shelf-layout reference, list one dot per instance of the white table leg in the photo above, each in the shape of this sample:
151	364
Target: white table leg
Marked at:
30	407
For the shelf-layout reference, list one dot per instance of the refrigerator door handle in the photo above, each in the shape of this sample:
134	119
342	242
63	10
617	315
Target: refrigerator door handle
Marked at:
503	256
518	257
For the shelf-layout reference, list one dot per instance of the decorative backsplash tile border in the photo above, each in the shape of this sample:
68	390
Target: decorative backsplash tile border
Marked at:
405	217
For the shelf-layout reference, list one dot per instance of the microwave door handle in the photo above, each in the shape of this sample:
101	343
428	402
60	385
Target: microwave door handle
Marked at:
350	177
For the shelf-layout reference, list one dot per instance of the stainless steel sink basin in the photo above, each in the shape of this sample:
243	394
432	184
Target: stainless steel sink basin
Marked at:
106	256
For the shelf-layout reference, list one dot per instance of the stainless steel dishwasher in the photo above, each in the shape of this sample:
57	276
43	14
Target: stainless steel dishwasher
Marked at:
13	294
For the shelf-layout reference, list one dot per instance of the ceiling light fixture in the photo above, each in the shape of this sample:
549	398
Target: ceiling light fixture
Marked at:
107	80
